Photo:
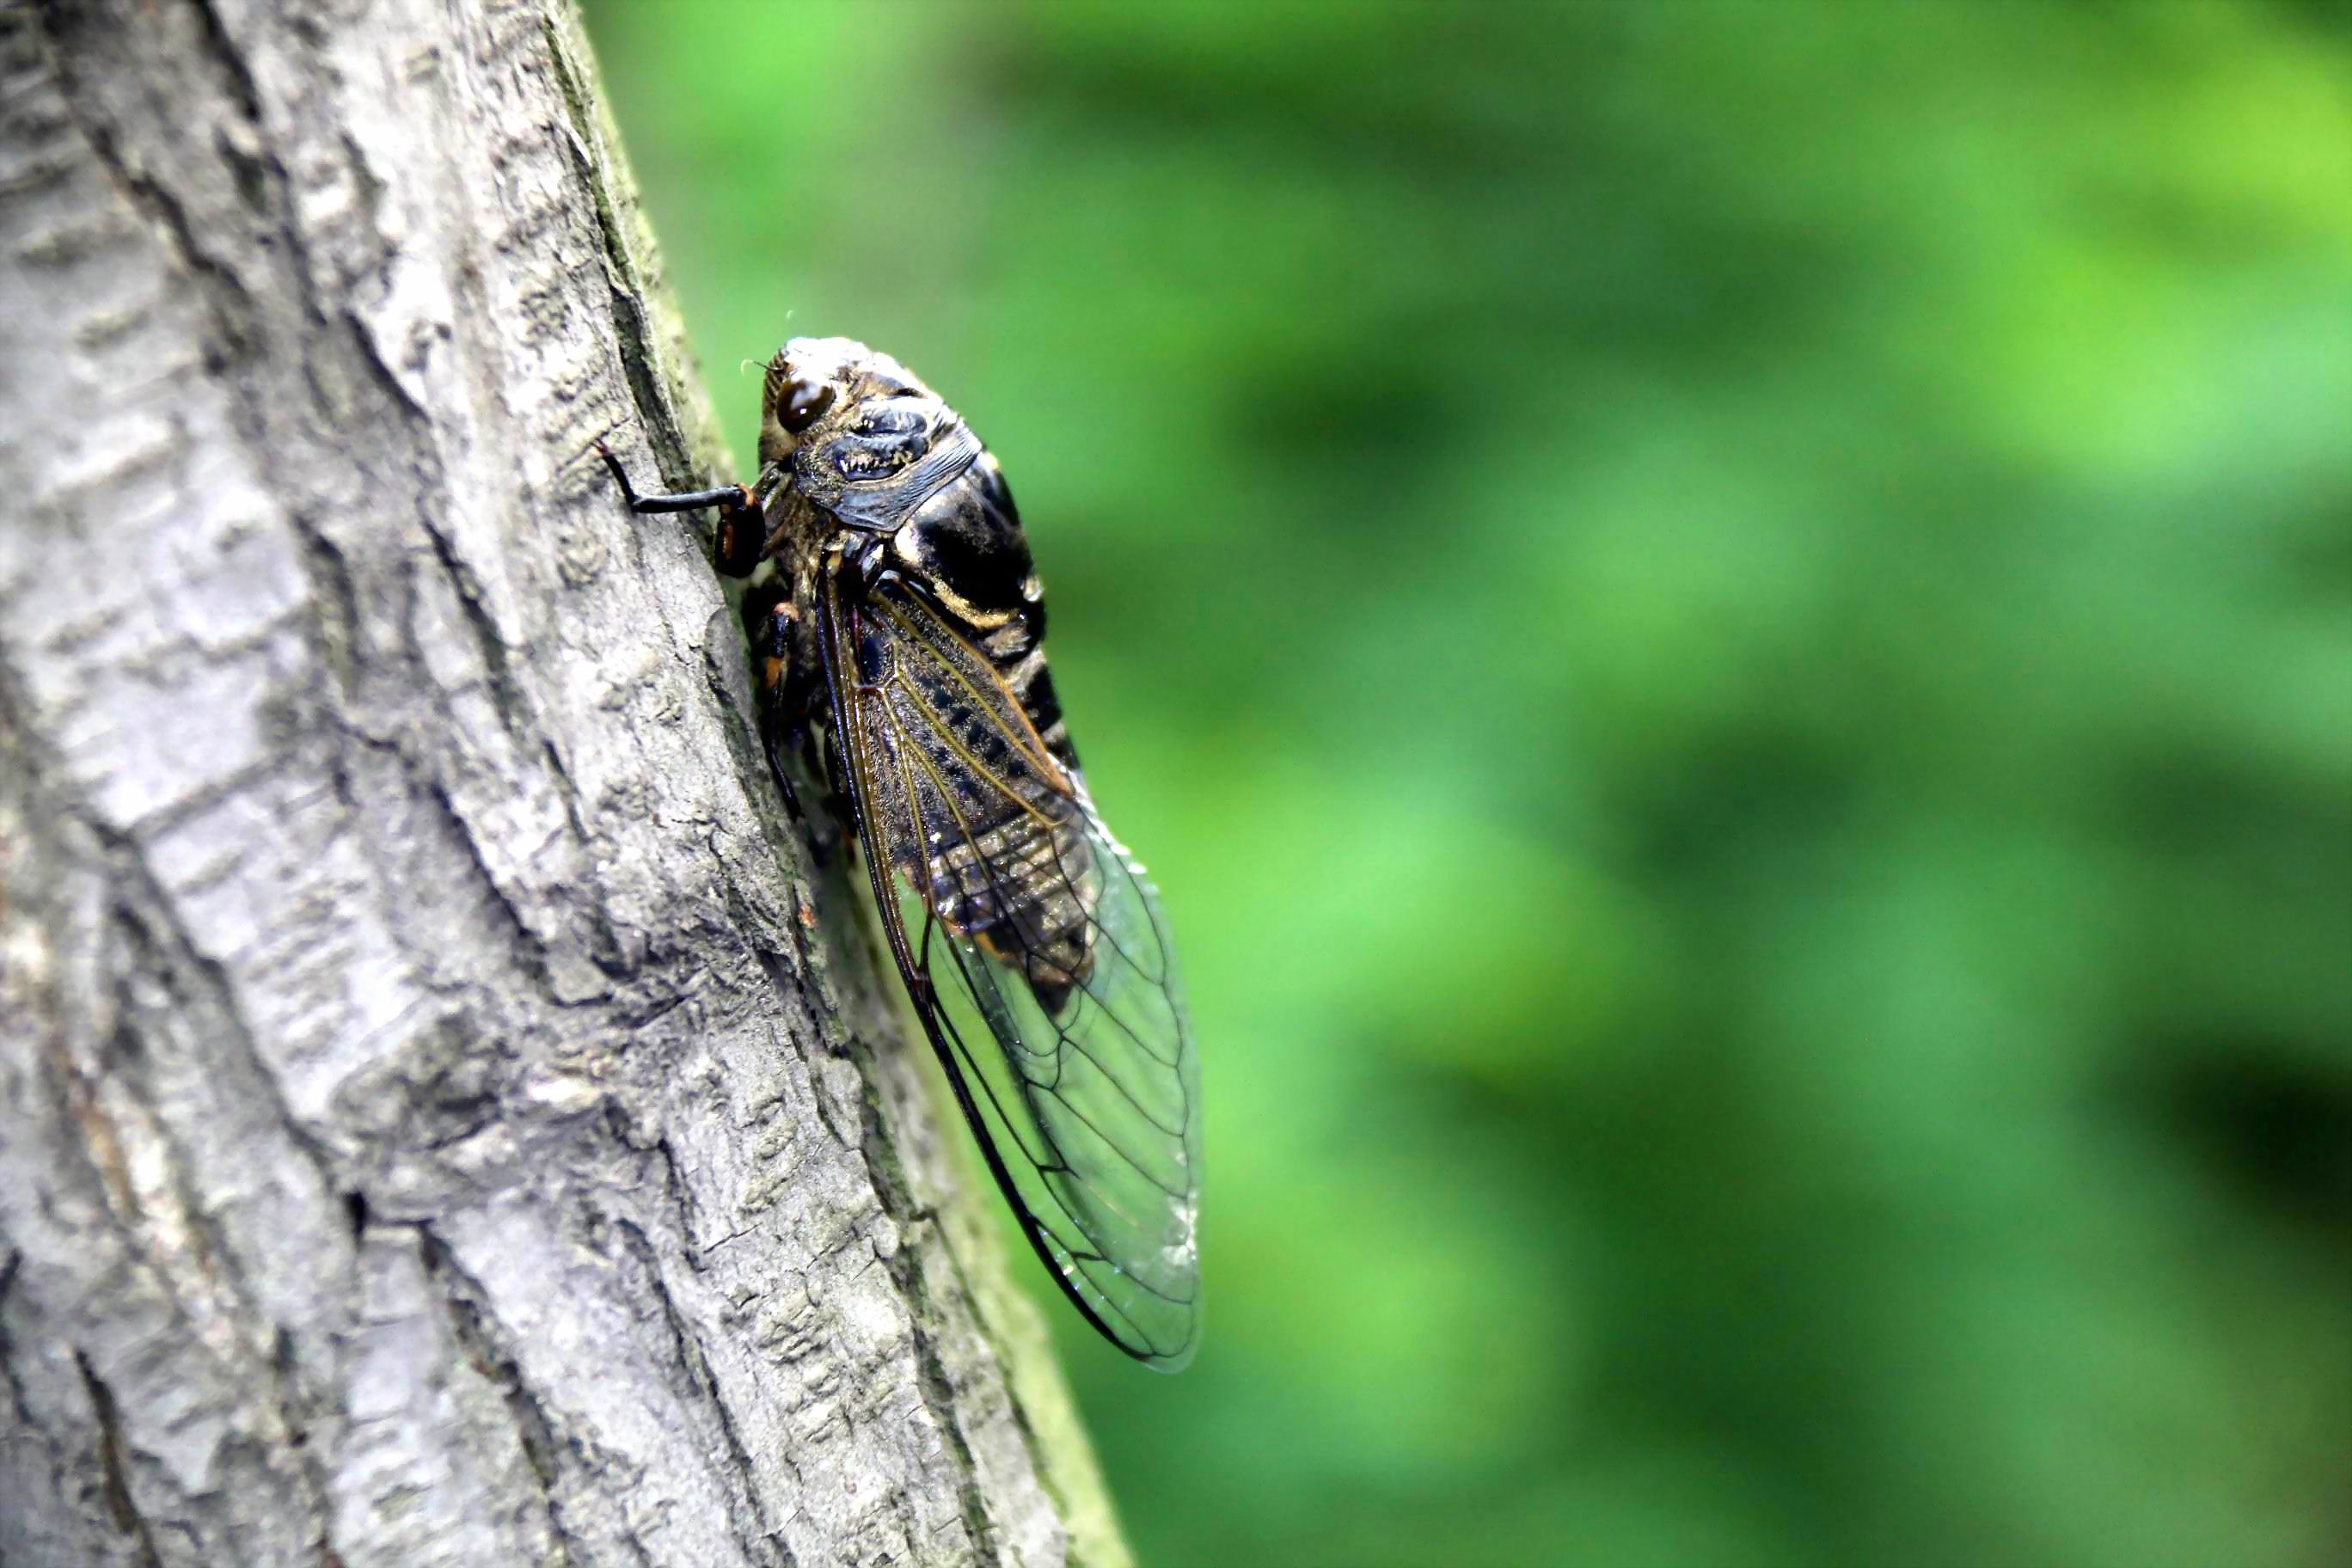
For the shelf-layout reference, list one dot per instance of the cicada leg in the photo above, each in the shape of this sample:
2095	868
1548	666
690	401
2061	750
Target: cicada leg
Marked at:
791	699
742	522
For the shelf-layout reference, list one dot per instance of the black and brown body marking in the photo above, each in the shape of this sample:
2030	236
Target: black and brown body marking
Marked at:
905	619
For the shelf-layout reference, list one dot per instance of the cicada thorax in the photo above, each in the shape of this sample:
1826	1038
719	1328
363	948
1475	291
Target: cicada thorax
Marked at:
954	622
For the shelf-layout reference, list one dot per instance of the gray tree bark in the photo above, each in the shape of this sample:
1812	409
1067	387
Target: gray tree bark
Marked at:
442	1117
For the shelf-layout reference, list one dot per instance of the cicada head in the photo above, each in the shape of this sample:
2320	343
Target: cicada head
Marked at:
821	389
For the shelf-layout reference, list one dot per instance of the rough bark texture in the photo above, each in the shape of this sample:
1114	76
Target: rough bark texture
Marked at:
435	1124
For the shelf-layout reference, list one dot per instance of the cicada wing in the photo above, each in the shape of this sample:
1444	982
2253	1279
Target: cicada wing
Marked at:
1038	961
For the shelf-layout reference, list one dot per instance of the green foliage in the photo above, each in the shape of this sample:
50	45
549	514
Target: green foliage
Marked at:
1728	627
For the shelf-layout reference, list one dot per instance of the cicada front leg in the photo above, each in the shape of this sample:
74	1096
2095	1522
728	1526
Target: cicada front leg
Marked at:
742	521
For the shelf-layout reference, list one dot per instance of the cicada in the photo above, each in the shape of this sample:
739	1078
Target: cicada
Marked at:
902	625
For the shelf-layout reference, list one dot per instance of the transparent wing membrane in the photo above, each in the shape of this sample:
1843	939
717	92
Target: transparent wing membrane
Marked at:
1038	961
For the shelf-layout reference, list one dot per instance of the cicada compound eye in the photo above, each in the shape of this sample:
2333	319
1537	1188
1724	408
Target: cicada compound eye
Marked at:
803	404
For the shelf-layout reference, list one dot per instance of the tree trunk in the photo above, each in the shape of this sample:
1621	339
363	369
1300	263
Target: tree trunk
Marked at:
435	1124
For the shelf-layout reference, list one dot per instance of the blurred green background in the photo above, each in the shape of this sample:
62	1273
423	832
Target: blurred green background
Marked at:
1728	627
